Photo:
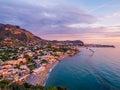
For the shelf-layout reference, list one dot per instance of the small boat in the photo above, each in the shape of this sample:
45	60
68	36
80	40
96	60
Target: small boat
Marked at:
92	50
50	70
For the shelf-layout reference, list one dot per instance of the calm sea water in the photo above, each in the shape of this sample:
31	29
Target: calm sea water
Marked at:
88	71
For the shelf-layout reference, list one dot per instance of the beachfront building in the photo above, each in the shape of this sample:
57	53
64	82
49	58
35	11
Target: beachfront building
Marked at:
48	57
38	70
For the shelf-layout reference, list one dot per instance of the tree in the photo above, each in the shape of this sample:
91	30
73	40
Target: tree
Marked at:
17	66
26	86
56	88
27	57
4	84
44	61
16	86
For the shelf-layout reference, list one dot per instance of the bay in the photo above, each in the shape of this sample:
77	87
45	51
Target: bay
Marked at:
88	71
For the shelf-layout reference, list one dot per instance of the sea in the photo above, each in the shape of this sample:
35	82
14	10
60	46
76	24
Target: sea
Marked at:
88	71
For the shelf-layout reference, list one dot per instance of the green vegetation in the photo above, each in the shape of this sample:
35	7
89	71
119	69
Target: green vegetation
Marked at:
8	54
32	67
4	85
1	76
44	61
28	58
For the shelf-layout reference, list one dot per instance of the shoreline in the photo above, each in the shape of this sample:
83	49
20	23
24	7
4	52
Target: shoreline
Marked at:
41	78
50	70
50	73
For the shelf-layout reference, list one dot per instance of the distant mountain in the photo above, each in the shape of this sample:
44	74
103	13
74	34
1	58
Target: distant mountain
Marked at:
15	33
68	42
12	35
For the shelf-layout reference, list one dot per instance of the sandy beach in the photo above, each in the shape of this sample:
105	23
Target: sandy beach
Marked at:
41	78
51	67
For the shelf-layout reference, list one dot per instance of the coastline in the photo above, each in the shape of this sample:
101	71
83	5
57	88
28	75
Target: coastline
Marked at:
50	70
56	62
41	78
50	73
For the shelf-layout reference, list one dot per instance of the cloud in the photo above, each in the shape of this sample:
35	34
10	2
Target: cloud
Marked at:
115	15
53	19
42	17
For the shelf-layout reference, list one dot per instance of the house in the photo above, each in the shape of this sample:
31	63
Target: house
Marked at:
30	54
12	62
1	72
24	67
6	66
23	60
59	53
48	57
1	62
16	62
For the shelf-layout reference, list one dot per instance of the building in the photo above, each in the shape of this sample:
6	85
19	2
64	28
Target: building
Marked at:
38	70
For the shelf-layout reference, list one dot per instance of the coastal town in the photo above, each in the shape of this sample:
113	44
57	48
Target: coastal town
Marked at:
26	60
31	63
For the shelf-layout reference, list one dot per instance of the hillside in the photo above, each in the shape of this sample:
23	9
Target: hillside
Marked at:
15	33
12	35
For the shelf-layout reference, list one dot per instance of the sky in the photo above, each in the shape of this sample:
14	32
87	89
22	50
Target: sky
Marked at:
64	19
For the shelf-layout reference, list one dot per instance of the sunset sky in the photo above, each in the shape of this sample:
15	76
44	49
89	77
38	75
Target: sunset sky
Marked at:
64	19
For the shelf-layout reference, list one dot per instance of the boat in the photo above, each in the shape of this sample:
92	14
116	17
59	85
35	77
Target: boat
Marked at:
92	50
